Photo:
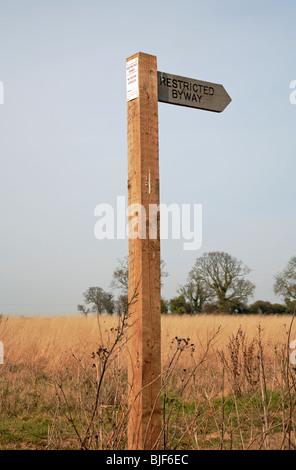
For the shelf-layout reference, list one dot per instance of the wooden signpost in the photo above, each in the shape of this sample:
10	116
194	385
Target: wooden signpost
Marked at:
145	87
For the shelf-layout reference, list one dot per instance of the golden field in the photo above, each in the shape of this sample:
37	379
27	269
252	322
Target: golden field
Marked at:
50	341
234	389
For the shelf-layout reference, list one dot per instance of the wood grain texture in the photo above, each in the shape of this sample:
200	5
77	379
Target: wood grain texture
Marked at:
144	367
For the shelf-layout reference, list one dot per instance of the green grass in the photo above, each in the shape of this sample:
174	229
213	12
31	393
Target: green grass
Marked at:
236	416
32	417
24	431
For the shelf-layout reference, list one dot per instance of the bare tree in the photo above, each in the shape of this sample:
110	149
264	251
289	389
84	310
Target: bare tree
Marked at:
120	275
121	305
224	276
83	309
100	300
285	281
196	292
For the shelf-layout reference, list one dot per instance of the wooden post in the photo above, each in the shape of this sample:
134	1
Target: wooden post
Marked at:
144	366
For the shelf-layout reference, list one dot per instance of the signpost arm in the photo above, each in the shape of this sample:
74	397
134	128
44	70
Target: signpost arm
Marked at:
144	342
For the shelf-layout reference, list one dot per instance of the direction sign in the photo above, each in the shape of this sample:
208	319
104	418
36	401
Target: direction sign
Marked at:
190	92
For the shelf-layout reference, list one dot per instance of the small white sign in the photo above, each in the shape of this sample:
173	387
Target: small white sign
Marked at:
132	82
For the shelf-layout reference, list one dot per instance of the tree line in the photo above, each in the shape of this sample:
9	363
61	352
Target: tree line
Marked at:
217	283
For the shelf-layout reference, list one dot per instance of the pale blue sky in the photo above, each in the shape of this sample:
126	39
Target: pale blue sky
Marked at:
63	138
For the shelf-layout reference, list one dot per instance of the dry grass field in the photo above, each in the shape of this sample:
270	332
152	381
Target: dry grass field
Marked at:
227	383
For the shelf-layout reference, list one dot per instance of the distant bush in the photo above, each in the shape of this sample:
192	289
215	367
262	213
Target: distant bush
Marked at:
237	308
210	308
164	305
231	308
262	307
178	305
290	306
